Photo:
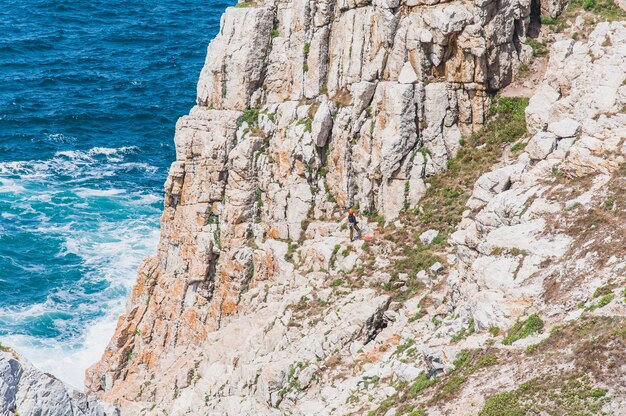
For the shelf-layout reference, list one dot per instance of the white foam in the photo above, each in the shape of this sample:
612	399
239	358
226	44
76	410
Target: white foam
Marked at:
114	252
146	200
69	362
86	193
9	186
111	250
76	164
60	138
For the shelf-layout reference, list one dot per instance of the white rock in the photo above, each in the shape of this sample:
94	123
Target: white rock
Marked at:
564	128
389	391
407	74
322	124
31	392
436	268
427	237
407	372
541	145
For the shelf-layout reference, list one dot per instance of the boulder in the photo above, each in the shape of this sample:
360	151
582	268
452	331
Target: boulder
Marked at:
427	237
541	145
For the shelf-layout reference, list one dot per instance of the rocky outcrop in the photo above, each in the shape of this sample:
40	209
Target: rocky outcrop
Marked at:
26	391
517	225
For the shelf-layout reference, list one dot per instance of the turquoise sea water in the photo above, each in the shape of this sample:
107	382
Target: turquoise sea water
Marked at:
89	95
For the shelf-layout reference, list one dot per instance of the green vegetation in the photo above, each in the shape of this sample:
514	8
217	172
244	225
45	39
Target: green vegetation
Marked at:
250	116
571	394
4	348
539	48
441	208
274	33
333	256
603	291
466	363
547	20
336	283
494	331
377	218
518	147
531	349
421	383
524	329
604	300
292	379
308	124
464	332
605	9
418	315
291	248
444	202
245	4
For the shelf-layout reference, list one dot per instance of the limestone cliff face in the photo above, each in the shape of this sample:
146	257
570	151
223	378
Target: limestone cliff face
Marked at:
24	390
306	108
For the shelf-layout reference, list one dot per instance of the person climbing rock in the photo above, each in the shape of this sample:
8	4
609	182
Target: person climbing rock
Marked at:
353	224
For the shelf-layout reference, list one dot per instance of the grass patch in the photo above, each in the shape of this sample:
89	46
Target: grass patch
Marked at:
245	4
466	363
605	9
539	48
421	383
572	394
604	300
336	283
291	248
444	201
308	124
524	329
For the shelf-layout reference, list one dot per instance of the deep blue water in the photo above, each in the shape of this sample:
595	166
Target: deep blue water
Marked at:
89	95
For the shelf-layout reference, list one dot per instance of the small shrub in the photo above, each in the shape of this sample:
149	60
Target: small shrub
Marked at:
415	317
494	331
604	300
539	48
589	4
521	330
547	20
421	383
291	248
336	283
308	124
250	116
531	349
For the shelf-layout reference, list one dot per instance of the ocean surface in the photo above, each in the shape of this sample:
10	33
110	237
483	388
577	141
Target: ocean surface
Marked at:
89	95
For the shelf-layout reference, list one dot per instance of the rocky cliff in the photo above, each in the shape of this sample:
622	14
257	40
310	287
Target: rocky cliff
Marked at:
498	234
26	391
